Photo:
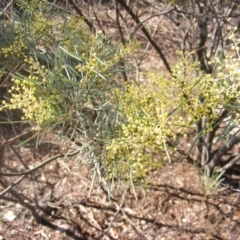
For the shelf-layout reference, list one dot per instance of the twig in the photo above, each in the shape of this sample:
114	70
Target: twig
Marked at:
121	37
79	12
97	19
39	219
12	185
231	163
40	165
238	196
10	142
232	189
119	208
145	20
148	45
217	156
132	224
8	5
146	33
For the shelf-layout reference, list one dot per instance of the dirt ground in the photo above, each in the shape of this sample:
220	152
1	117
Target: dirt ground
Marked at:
171	206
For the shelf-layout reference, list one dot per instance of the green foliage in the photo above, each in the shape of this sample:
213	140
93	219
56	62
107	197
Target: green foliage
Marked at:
161	111
66	76
67	68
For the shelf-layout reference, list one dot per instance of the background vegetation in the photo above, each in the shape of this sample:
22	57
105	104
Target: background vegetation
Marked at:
63	73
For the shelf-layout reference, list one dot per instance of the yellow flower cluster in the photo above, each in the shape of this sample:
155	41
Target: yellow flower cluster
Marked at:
98	68
32	5
18	48
38	93
197	94
36	69
146	108
40	25
40	29
34	107
161	110
97	57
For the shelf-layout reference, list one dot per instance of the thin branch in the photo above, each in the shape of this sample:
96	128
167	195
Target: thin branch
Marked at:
181	152
223	150
8	5
8	199
10	142
138	230
119	208
97	19
12	185
40	165
231	163
118	22
145	20
146	33
202	38
121	37
79	12
148	44
200	15
232	189
39	219
208	140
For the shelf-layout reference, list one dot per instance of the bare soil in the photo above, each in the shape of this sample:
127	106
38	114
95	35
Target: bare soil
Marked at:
171	206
